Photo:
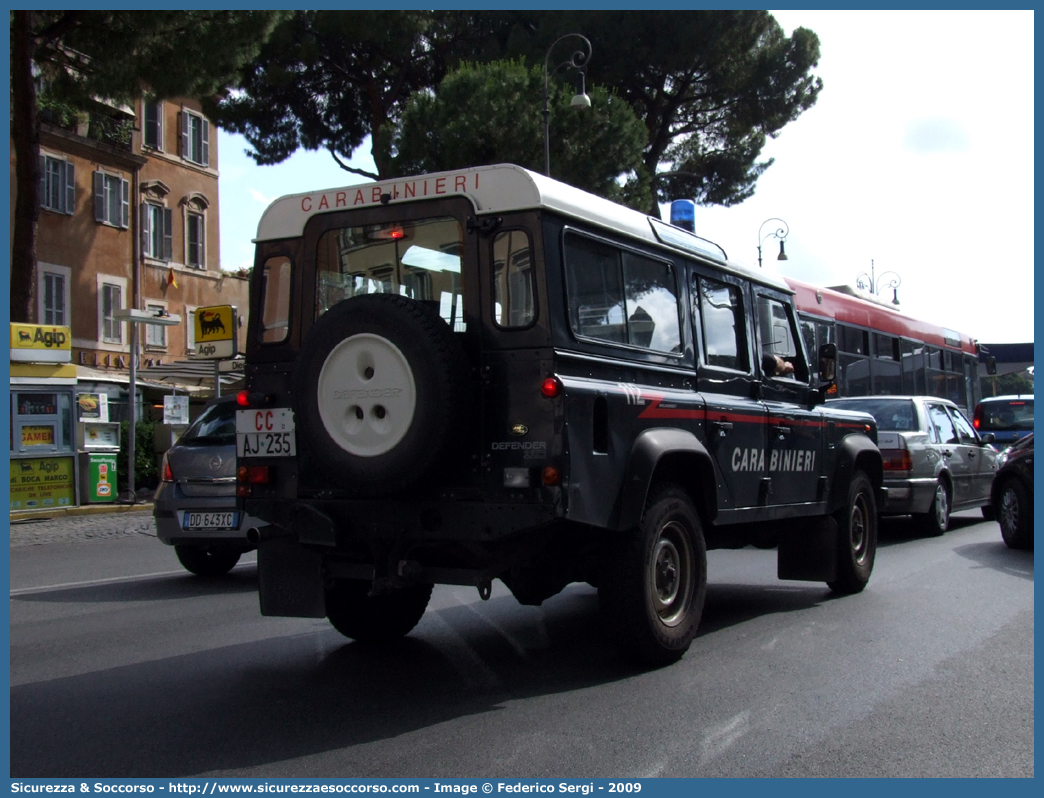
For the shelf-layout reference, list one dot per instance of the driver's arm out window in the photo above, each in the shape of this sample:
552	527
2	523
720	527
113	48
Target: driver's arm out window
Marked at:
275	300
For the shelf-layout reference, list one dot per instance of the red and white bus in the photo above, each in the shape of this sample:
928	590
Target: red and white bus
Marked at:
882	351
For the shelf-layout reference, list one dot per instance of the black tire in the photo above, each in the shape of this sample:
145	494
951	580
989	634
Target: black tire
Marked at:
856	537
393	399
652	594
375	619
936	521
207	562
1015	514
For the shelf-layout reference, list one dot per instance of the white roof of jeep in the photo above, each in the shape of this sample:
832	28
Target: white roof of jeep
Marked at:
498	188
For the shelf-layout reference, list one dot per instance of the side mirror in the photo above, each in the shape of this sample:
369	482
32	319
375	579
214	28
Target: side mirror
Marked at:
988	437
991	365
828	363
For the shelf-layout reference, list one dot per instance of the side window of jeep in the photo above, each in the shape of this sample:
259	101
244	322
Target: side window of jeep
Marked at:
513	304
780	350
723	325
275	300
621	297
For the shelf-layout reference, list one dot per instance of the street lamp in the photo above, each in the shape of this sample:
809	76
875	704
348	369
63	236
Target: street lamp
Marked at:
135	317
578	61
780	232
876	283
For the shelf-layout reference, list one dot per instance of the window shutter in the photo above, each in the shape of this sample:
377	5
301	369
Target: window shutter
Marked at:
70	188
201	233
99	197
43	181
168	234
206	141
146	230
124	203
184	134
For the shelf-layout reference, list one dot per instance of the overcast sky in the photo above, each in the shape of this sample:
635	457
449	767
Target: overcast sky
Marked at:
918	157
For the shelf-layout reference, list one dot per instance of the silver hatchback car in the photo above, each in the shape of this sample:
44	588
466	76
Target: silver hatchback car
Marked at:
935	462
195	506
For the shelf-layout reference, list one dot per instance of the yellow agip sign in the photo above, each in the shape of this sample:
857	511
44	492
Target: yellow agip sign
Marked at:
41	343
215	329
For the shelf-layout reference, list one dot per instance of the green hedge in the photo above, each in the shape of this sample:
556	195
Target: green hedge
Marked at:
146	463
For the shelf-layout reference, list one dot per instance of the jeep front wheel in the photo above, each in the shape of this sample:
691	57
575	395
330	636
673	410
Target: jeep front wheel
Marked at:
856	537
387	616
652	593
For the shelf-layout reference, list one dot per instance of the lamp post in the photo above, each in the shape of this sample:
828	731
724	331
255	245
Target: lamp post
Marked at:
876	283
135	317
578	61
780	232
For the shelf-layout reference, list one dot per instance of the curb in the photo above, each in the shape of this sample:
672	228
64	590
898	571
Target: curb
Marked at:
63	512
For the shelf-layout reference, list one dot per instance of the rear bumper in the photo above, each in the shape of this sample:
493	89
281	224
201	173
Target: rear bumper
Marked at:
908	496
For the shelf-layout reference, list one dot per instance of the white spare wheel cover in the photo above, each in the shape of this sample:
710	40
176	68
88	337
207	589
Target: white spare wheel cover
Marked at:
366	395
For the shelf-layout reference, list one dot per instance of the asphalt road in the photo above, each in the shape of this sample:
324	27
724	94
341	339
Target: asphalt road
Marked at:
124	665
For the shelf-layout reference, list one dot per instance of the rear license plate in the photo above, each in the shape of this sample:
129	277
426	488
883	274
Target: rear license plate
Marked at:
199	520
265	433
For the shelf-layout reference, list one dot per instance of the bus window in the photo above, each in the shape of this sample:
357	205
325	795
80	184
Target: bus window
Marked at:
885	375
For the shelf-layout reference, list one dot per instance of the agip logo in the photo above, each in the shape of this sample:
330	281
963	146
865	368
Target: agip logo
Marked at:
41	343
215	329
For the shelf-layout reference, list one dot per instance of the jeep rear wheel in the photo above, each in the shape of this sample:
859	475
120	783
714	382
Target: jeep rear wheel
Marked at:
856	537
381	388
388	616
652	594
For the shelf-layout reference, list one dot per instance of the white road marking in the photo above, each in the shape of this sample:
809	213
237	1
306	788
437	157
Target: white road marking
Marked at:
112	580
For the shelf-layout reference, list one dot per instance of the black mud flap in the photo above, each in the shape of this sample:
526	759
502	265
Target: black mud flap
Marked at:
808	552
290	579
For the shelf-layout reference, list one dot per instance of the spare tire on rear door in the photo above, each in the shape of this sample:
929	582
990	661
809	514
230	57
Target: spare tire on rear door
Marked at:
381	387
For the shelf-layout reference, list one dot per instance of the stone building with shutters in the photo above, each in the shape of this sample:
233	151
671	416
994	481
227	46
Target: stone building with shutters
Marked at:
129	219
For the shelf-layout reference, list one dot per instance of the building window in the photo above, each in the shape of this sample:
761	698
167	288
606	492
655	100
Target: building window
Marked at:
157	231
111	200
111	301
195	230
57	185
155	334
195	138
190	329
153	113
53	298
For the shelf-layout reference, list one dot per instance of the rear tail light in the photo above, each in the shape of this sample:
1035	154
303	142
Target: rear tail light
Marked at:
168	475
550	476
896	461
551	387
248	476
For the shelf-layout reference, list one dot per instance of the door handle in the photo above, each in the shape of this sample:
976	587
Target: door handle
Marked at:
947	453
781	431
721	426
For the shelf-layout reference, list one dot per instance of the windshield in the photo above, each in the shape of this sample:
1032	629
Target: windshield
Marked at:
419	259
1007	415
891	415
216	426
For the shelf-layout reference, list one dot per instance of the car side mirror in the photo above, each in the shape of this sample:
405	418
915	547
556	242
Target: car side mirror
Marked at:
988	437
828	363
991	365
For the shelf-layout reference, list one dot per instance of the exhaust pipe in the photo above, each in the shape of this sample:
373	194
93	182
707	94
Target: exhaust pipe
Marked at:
253	535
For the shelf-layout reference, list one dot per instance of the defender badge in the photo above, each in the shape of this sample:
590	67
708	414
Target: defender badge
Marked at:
519	429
